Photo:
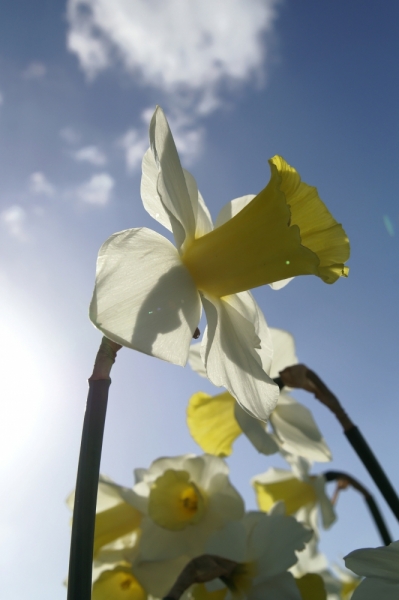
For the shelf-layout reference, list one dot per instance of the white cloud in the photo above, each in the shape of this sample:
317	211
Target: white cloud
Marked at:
188	48
35	70
13	219
135	143
69	135
40	185
97	190
92	155
1	98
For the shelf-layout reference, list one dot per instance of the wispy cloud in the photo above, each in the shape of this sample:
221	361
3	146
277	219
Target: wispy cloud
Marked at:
40	185
192	50
13	219
98	190
35	70
70	135
92	155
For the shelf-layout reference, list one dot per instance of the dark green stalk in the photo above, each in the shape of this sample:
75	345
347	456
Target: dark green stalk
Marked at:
366	455
346	480
300	376
84	512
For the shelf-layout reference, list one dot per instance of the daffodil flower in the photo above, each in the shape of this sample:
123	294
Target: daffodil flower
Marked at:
379	566
216	421
184	499
303	494
148	293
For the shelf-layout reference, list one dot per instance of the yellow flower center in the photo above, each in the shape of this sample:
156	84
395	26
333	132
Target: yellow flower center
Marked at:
294	492
285	231
175	502
118	584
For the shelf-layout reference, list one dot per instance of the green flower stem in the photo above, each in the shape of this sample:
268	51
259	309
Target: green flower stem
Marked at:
366	455
344	480
84	513
299	376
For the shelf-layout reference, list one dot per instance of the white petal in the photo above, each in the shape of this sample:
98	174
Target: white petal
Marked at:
277	285
149	192
203	218
280	587
195	361
375	562
299	464
229	350
144	296
172	186
296	429
154	206
284	354
232	208
158	577
273	543
328	516
374	589
255	431
229	542
272	475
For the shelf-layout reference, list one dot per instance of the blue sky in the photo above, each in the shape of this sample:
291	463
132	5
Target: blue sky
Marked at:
240	81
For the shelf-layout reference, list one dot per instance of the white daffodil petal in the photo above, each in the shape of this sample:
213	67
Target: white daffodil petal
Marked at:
280	587
229	542
149	192
158	577
375	562
229	351
172	186
195	361
328	516
284	354
371	589
296	429
275	540
255	431
144	297
265	350
277	285
232	208
203	218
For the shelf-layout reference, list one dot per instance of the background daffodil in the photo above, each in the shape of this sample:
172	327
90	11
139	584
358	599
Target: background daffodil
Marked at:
184	499
216	421
301	493
148	293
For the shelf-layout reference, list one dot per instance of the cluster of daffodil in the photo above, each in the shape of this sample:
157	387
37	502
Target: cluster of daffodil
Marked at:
185	506
148	296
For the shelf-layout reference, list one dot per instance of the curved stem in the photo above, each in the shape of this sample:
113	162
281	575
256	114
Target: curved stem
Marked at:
84	512
299	376
345	479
